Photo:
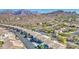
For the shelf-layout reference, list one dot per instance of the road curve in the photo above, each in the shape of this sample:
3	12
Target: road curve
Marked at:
45	39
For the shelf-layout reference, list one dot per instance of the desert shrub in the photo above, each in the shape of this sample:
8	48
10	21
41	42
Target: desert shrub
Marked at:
42	46
1	43
62	39
75	39
67	34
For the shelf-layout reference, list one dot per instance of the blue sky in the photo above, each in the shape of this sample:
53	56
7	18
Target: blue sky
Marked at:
50	10
46	10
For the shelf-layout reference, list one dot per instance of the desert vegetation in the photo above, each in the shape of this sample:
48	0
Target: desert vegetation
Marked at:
57	25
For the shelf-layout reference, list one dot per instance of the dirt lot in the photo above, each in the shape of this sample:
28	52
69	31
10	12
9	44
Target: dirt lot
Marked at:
10	40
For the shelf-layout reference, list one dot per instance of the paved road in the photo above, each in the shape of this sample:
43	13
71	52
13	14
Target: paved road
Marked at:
39	37
25	41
